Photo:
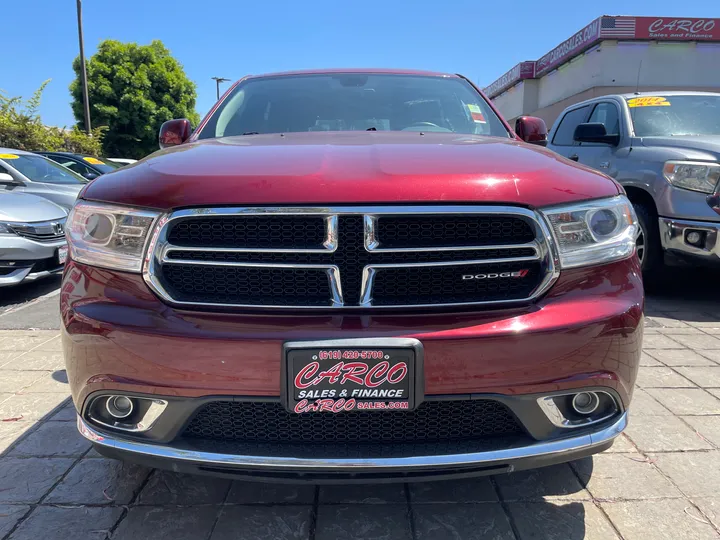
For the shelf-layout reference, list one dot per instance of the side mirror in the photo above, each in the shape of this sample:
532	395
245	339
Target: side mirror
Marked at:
714	201
531	130
595	132
8	180
174	132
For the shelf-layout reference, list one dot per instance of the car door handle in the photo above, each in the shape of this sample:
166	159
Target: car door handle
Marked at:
574	157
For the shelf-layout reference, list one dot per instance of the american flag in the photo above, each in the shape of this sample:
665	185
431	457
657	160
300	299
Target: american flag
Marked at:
617	27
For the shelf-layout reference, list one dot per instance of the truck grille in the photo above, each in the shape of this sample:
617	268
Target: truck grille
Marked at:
454	231
250	231
350	258
452	420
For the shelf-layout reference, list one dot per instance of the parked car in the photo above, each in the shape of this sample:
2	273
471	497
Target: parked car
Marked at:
88	167
32	238
352	276
664	148
27	172
122	161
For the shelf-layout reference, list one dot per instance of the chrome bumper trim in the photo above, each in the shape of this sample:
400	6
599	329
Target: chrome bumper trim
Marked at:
22	275
538	449
672	236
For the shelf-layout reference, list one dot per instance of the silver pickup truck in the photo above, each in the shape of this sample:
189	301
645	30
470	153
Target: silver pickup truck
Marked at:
664	148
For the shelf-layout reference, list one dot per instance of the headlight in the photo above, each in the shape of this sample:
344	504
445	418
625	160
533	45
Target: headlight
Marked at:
109	236
693	175
6	230
593	232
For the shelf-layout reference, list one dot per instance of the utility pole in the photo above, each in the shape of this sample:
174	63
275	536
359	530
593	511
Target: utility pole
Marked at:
83	72
217	80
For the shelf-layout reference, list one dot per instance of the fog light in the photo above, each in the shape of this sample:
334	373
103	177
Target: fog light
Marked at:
585	403
696	238
119	406
124	413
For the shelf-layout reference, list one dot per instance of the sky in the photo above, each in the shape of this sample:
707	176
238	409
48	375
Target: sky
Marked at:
233	38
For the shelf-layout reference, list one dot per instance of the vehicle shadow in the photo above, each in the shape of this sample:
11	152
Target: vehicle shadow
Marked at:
694	292
32	305
549	502
26	292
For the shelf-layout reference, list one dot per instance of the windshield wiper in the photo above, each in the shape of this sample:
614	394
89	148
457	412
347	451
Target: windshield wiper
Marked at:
371	129
251	133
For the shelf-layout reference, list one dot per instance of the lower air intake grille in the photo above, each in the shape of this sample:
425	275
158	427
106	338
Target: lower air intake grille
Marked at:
454	420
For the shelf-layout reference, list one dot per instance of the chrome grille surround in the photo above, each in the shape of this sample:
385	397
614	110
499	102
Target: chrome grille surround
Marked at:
41	231
159	248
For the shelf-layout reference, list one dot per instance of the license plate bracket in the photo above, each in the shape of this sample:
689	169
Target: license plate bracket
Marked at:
375	374
62	254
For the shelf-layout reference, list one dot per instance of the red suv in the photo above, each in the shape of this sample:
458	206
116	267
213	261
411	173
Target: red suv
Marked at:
352	275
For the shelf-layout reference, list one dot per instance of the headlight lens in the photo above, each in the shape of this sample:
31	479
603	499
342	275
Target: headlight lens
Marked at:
693	175
594	232
109	236
5	229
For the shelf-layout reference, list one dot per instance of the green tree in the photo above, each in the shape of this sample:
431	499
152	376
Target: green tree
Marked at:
133	89
22	128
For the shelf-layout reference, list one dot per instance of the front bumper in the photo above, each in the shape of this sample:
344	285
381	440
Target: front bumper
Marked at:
586	333
674	238
23	260
182	458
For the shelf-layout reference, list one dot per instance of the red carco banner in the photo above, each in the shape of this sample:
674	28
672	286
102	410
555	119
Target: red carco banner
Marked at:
672	28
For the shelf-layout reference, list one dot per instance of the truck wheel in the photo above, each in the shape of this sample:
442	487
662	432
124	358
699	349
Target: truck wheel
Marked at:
648	245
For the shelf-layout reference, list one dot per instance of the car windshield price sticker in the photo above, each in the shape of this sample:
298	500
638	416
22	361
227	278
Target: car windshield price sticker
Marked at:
334	380
648	101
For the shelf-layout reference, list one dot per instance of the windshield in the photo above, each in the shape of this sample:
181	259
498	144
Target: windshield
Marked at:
353	102
102	164
81	167
656	116
40	169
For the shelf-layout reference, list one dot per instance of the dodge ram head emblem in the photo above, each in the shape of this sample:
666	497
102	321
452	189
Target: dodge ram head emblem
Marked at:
497	275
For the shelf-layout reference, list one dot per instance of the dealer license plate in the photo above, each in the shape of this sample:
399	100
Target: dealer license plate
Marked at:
62	254
335	376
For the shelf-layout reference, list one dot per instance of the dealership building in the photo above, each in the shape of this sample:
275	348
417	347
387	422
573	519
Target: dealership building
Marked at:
612	55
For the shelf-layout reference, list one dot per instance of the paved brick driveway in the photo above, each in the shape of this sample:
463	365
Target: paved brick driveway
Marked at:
660	480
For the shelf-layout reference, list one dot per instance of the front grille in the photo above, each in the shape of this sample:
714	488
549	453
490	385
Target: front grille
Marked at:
453	420
351	259
260	232
49	231
248	285
451	230
449	284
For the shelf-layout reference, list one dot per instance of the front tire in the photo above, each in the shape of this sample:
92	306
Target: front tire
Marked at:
648	245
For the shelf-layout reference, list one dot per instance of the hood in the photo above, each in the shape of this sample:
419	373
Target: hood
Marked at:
25	208
699	143
72	189
350	167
